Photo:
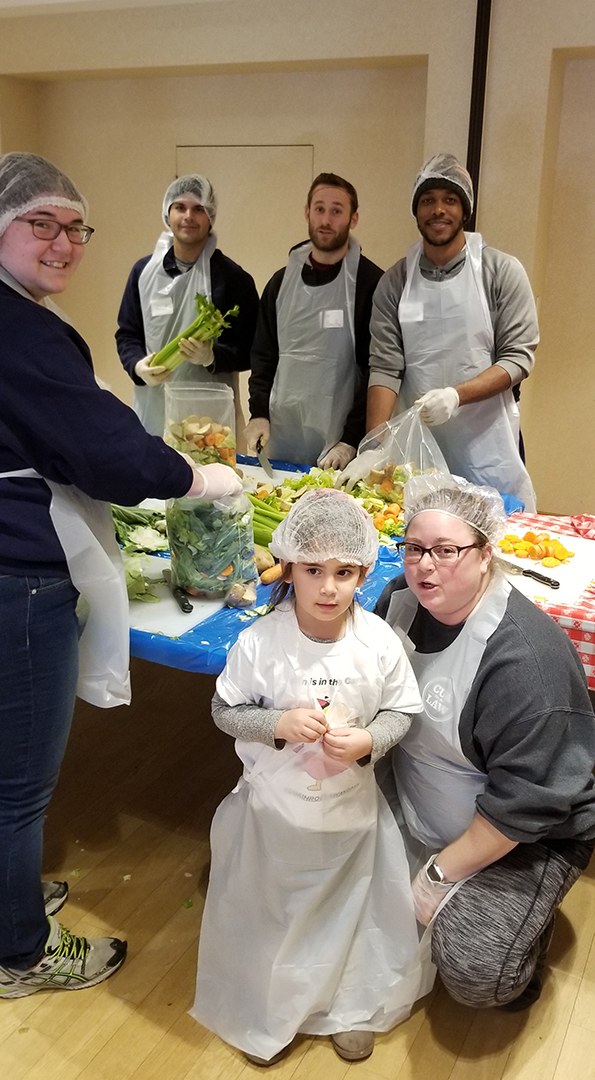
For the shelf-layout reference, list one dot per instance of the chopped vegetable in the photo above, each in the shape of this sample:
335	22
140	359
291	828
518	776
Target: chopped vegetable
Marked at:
138	586
211	543
139	530
542	547
208	326
206	441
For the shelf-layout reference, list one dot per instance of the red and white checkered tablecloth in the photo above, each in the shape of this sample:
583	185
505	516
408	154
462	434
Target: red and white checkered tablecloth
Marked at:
579	620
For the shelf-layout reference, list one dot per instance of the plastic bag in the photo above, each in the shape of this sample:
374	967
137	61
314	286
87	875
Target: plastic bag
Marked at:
200	421
392	453
211	543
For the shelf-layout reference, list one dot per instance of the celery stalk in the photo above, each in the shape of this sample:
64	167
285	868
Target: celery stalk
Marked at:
208	326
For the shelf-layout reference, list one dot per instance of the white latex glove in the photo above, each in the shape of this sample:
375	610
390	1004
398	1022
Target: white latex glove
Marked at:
152	376
427	895
338	456
214	482
437	406
357	469
196	352
258	428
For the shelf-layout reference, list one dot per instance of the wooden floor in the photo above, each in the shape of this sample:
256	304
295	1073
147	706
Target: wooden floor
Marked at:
128	828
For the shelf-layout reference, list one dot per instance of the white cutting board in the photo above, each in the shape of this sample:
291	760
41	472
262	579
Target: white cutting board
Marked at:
574	576
166	617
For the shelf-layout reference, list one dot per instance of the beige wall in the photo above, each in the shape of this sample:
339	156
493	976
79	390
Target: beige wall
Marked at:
371	130
369	66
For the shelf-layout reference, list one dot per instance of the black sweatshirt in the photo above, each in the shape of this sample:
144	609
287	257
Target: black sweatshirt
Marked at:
55	419
265	351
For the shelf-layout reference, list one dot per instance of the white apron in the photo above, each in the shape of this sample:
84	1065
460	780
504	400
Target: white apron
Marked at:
436	784
448	338
85	530
315	931
168	308
315	381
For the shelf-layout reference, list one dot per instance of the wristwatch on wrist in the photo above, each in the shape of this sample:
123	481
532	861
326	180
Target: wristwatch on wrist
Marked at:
435	874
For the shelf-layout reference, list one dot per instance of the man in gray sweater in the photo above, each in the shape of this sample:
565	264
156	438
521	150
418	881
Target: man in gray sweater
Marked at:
454	327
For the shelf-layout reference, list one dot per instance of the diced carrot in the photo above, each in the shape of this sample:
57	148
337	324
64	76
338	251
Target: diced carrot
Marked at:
262	494
379	521
540	537
386	485
530	536
549	561
224	452
228	570
210	440
199	443
219	438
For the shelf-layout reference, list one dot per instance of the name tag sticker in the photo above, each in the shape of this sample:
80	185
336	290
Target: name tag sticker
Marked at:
163	305
331	319
411	311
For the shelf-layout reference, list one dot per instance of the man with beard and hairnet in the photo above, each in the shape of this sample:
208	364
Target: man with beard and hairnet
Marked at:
310	356
454	327
159	302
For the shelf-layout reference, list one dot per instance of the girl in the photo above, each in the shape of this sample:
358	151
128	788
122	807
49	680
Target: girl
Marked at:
308	923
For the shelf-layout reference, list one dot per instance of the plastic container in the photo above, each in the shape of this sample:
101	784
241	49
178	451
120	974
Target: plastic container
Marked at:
200	421
211	543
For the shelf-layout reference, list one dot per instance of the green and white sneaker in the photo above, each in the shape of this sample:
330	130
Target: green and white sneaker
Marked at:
69	963
55	895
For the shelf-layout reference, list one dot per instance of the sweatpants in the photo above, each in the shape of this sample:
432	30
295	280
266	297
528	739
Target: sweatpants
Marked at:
486	940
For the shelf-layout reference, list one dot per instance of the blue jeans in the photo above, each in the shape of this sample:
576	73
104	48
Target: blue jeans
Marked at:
38	670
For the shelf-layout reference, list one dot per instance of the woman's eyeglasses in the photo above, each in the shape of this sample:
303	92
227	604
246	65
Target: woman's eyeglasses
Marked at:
45	229
440	553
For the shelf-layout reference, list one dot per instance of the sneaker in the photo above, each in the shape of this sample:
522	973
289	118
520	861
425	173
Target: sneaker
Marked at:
69	963
55	895
353	1045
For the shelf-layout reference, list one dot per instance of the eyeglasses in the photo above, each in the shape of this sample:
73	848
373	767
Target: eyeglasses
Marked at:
46	229
441	553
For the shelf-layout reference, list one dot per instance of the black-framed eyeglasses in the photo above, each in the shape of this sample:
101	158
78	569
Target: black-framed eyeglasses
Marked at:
46	229
440	553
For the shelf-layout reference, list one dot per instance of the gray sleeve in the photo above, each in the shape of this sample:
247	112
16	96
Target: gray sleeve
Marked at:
387	361
528	724
513	312
387	729
249	722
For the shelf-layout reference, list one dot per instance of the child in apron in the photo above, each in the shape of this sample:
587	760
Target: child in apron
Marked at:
308	923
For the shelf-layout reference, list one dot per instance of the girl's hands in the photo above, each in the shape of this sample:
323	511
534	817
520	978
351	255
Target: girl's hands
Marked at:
301	725
348	744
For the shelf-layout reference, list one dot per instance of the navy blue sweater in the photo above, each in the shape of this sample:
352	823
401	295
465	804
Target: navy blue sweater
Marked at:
230	285
55	419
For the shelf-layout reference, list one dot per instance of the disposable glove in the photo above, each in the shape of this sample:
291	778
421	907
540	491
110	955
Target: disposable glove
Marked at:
196	352
258	428
427	894
338	456
438	405
152	376
357	469
214	482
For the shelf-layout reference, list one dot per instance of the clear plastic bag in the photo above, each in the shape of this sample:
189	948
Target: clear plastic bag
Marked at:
200	421
211	543
393	452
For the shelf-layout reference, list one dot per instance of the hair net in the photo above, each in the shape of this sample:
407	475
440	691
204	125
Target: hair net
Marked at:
28	181
196	185
480	507
326	524
451	174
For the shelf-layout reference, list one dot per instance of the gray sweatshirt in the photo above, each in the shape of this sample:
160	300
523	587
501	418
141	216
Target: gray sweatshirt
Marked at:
511	304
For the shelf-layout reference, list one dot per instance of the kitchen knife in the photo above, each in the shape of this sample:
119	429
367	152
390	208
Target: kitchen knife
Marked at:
178	594
543	580
263	460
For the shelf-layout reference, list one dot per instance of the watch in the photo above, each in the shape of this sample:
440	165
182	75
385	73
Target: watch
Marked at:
435	874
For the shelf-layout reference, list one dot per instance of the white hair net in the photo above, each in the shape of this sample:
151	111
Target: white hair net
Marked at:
326	524
196	185
480	507
443	170
28	181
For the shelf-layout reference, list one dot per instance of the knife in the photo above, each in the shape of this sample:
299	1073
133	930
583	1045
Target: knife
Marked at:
178	594
263	460
541	578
